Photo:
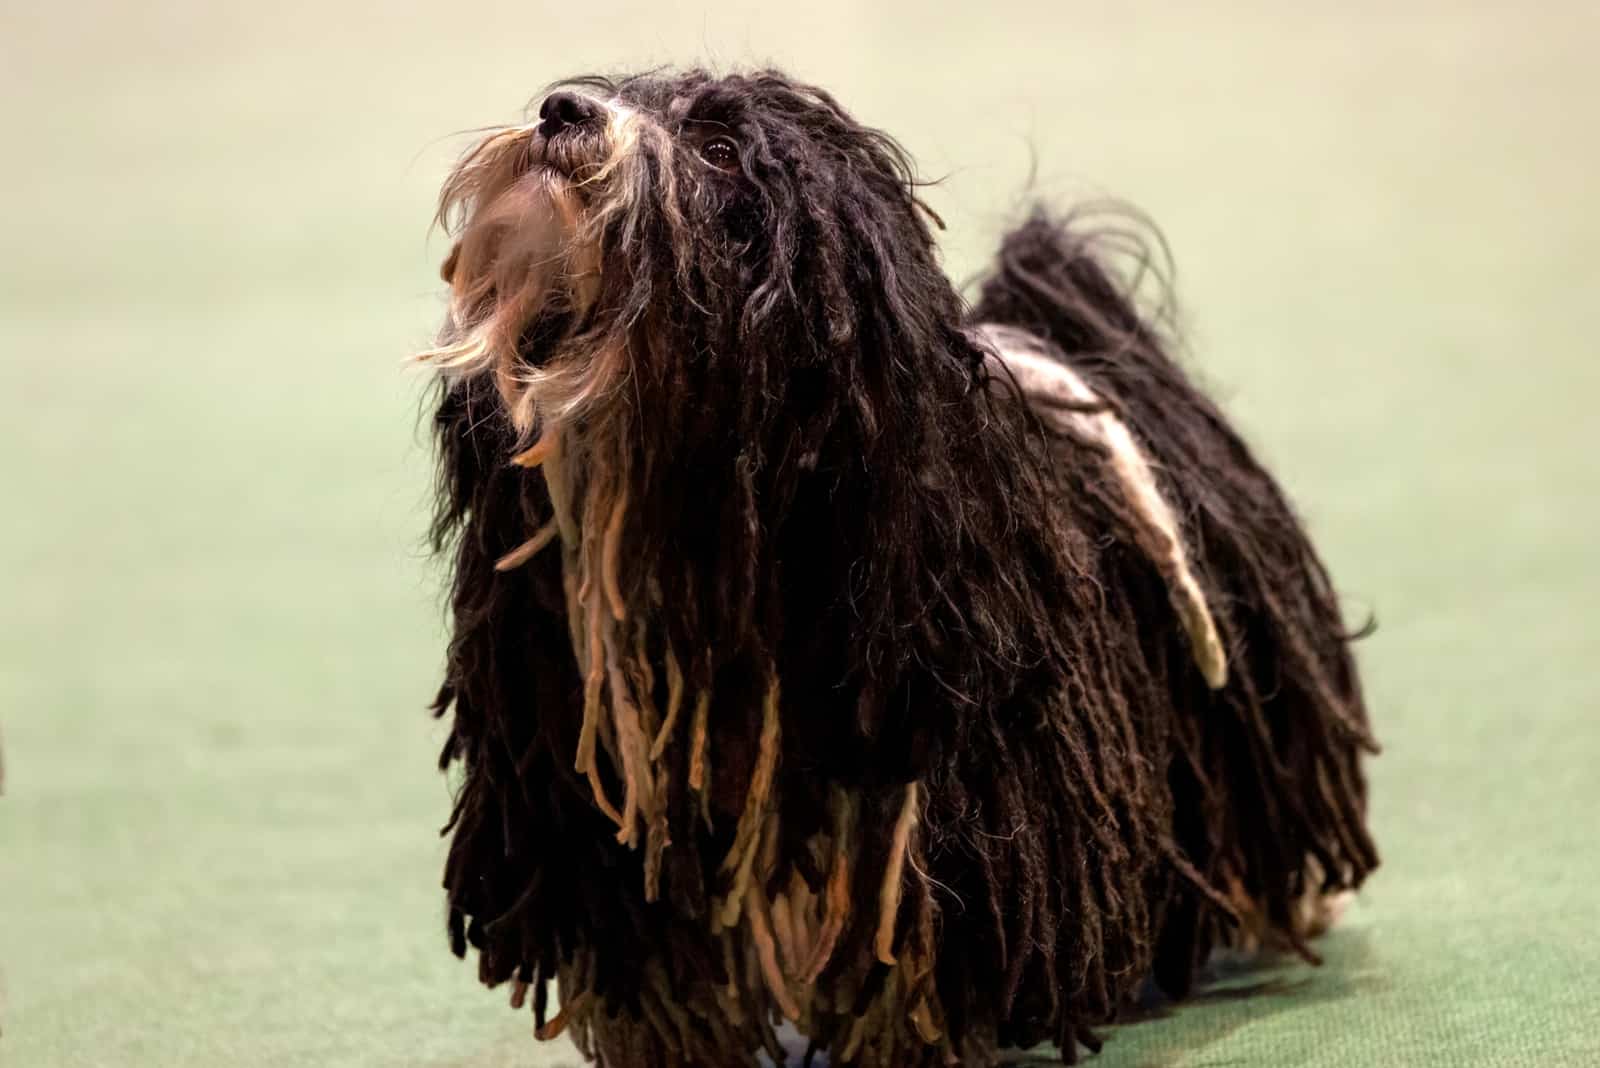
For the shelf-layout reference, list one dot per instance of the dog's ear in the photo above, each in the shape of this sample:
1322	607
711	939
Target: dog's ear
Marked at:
447	269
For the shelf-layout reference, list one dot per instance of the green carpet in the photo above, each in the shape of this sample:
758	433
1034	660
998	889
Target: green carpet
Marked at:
217	844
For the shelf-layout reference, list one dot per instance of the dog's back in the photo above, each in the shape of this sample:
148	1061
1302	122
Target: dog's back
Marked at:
1268	794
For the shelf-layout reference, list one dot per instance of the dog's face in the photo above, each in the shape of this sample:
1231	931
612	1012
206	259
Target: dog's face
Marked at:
646	232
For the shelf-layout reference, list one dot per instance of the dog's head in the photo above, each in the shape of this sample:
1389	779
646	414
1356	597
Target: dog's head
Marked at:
656	228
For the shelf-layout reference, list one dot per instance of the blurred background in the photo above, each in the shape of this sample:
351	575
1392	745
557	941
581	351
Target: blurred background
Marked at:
219	628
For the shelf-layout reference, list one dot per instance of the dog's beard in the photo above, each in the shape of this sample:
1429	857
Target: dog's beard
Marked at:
531	216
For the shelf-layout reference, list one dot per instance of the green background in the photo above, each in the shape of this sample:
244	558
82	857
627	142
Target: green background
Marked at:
219	627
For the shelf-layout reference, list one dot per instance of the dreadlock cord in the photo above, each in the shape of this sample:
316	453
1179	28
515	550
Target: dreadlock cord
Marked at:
528	549
608	556
766	952
674	704
754	814
638	787
593	683
889	894
538	454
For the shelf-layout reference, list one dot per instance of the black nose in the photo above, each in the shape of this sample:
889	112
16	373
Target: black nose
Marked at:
564	109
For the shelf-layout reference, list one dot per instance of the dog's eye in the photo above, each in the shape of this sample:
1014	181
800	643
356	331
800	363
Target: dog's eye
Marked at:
721	153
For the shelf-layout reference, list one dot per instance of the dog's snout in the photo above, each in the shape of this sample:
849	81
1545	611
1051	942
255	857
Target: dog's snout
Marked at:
563	109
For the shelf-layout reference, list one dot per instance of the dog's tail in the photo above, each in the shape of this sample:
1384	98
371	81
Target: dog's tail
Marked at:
1057	280
1267	790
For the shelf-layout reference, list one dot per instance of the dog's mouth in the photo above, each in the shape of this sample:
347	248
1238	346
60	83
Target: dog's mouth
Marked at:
572	155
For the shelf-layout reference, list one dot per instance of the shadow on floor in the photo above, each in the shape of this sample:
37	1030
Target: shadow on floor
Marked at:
1166	1034
1231	996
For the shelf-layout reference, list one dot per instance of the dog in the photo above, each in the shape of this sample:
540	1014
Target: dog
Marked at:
830	653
